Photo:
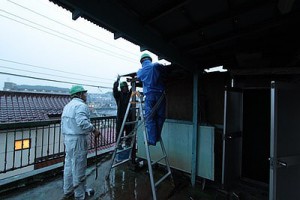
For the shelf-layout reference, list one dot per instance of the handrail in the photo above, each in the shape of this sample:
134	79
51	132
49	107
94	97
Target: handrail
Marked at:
45	142
14	125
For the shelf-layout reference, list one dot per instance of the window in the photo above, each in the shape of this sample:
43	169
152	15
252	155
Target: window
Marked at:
22	144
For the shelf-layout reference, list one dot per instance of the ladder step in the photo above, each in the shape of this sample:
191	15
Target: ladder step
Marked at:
121	150
128	136
120	163
164	157
162	178
134	108
132	122
135	102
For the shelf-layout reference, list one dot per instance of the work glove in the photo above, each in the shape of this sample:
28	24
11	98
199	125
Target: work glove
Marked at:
116	83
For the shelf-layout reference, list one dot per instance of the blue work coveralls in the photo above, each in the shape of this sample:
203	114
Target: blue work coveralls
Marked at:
152	76
76	126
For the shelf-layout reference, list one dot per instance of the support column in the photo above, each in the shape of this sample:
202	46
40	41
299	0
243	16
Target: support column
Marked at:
195	129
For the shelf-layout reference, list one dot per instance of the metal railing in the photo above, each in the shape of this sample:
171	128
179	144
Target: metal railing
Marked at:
43	142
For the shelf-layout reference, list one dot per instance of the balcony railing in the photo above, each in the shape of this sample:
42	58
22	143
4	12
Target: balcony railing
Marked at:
39	144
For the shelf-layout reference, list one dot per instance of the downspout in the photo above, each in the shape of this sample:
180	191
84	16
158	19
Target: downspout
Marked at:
195	129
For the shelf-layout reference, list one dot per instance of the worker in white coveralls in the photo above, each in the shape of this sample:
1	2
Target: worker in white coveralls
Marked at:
76	127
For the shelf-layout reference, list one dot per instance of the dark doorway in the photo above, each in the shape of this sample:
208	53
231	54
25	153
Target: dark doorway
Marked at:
256	134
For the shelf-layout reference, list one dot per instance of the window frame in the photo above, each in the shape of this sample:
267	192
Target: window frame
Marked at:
22	144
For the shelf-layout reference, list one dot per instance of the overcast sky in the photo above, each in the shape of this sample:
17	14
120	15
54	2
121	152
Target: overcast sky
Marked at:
40	39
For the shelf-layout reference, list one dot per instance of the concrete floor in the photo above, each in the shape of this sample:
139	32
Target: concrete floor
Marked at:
125	183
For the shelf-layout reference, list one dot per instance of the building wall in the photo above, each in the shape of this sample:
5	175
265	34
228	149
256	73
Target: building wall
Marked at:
177	137
211	97
179	96
210	100
45	141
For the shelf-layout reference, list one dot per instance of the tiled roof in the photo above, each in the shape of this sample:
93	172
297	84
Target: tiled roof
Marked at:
26	107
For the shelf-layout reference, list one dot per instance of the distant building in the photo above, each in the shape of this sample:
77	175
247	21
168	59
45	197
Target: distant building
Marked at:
10	86
102	104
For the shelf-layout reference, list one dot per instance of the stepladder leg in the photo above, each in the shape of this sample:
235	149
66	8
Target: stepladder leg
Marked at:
140	121
166	159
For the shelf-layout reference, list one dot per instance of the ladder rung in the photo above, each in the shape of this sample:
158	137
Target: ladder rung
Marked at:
120	151
153	163
134	108
132	122
162	178
119	163
135	102
128	136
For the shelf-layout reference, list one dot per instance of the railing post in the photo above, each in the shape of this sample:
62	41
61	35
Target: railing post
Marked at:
36	132
35	143
54	132
5	156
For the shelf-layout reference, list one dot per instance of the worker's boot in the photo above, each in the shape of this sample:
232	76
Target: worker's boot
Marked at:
68	196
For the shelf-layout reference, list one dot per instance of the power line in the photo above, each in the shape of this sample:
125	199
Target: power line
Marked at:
55	31
69	26
52	80
50	74
99	49
35	66
54	34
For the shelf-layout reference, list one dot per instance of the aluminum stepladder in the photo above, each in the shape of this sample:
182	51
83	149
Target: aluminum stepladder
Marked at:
149	160
140	121
121	140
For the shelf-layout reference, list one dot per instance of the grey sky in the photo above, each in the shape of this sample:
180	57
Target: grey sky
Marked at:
51	39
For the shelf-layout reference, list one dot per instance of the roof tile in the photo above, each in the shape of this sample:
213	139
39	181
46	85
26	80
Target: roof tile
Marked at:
22	106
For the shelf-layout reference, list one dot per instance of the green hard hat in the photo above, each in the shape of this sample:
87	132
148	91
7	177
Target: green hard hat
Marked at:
123	84
76	89
145	55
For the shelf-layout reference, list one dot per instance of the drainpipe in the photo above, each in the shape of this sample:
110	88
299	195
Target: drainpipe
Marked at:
195	129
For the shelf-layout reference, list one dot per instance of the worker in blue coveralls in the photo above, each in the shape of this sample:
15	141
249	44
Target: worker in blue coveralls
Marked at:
76	127
152	76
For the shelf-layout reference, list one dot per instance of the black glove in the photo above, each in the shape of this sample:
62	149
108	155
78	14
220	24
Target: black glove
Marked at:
116	84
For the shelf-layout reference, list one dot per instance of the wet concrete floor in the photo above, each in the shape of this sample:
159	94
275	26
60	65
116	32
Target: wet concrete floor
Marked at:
124	183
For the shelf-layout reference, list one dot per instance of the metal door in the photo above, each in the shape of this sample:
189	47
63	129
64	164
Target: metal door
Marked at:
285	142
232	137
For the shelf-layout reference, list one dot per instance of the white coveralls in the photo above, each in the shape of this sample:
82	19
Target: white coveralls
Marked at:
75	126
